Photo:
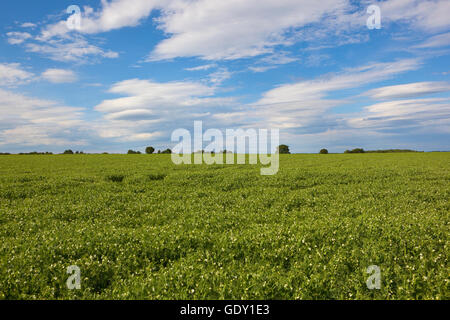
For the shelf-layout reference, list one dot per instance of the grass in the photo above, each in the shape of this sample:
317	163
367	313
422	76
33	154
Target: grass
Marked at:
140	227
115	177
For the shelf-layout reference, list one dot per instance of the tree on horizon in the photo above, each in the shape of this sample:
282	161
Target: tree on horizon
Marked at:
283	149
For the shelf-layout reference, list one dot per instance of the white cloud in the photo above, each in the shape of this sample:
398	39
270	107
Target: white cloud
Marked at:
303	109
319	88
61	46
261	68
408	90
215	29
12	74
135	114
59	76
271	61
28	25
31	122
434	114
118	14
316	59
220	76
113	15
304	106
202	28
140	136
440	40
69	50
148	107
17	37
57	42
212	29
127	131
427	15
150	95
281	57
202	67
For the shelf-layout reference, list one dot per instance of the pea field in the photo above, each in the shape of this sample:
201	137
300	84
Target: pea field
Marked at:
140	227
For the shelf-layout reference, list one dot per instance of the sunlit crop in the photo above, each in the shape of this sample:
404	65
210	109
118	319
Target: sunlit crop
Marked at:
140	227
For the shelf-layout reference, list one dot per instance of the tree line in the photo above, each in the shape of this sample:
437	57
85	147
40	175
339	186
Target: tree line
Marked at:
150	150
281	149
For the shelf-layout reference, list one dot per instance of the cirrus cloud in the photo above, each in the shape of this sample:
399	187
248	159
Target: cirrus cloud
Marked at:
59	76
408	90
12	74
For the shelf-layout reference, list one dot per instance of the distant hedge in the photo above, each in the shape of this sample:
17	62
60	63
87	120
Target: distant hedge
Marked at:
361	150
392	151
357	150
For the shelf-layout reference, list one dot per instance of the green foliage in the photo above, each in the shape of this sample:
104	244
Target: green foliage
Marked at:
357	150
133	152
391	151
115	177
323	151
149	150
34	153
283	149
225	231
68	152
167	151
156	176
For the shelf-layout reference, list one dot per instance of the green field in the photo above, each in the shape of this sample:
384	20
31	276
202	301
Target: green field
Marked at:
140	227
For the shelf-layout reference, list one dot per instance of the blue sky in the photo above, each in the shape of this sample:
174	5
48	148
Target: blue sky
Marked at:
133	71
